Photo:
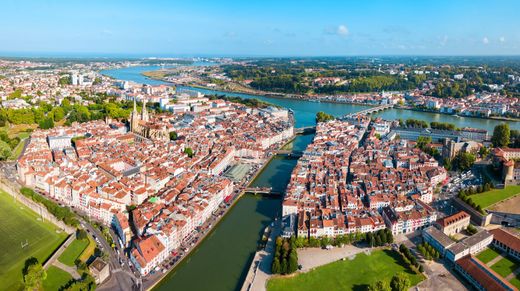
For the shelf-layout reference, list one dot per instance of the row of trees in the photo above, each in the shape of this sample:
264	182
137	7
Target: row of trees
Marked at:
285	260
380	237
415	123
410	259
470	202
339	240
442	125
60	212
428	251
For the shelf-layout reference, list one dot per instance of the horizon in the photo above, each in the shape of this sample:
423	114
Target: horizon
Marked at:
268	29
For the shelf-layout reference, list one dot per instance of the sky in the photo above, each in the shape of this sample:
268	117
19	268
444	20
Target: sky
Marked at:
173	28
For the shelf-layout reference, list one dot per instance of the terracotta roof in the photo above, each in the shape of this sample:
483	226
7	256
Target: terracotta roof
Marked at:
481	273
452	218
506	238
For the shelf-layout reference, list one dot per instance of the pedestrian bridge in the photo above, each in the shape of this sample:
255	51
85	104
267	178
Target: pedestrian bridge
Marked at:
289	153
305	130
262	190
368	111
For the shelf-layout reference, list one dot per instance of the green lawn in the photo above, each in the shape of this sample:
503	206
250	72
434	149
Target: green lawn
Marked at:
348	275
489	198
56	278
17	151
515	282
488	255
19	224
73	252
505	266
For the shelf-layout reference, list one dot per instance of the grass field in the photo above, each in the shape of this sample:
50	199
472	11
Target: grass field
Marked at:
489	198
89	250
73	251
56	278
349	274
488	255
19	224
505	266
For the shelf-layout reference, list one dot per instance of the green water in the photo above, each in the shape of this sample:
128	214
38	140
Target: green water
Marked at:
222	261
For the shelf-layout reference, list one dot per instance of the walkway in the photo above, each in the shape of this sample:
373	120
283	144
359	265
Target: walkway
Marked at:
71	270
260	269
498	258
60	251
513	275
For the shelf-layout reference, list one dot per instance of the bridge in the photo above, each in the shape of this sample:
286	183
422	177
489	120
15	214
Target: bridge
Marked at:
305	130
262	190
289	153
368	111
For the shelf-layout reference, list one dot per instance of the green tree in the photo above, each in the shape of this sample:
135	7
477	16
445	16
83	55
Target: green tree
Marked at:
173	135
275	267
81	234
189	152
33	274
501	135
380	285
293	262
463	161
46	123
323	117
5	150
400	282
58	113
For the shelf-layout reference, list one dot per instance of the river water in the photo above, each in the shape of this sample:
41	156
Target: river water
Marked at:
222	260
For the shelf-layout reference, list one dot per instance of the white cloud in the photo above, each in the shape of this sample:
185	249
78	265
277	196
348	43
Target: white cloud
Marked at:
342	30
502	39
485	40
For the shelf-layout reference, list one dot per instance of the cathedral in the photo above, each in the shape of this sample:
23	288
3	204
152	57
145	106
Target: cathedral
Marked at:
140	124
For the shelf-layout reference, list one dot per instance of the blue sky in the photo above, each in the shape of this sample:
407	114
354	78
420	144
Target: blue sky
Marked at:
260	28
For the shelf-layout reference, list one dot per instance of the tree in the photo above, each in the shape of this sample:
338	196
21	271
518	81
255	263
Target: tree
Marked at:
463	161
81	234
275	267
46	123
323	117
380	285
400	282
5	150
58	113
501	135
283	266
423	141
33	274
189	152
293	262
173	135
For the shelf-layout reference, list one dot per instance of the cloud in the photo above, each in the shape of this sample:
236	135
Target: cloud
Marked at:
107	31
342	30
502	39
485	40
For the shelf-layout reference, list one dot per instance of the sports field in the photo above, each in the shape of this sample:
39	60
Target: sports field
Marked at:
489	198
19	224
354	274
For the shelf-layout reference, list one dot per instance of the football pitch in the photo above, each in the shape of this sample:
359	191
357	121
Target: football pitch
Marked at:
22	235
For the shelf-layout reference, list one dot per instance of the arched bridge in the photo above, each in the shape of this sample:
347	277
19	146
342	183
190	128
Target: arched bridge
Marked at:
369	111
262	190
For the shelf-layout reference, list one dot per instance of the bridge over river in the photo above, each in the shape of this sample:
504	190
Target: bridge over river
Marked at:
262	190
368	111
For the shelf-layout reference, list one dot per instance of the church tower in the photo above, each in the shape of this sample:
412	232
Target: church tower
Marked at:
134	118
144	112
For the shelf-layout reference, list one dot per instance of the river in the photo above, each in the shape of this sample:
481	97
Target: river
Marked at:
305	111
222	260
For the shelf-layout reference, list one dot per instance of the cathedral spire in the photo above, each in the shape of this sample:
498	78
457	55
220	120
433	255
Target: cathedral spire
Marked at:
135	106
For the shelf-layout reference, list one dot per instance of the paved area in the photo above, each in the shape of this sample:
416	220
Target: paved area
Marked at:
71	270
261	266
439	278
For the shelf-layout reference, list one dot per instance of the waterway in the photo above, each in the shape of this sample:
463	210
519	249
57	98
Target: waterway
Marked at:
305	111
222	260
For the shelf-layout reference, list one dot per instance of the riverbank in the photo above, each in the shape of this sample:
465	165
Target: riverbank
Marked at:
321	99
211	226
